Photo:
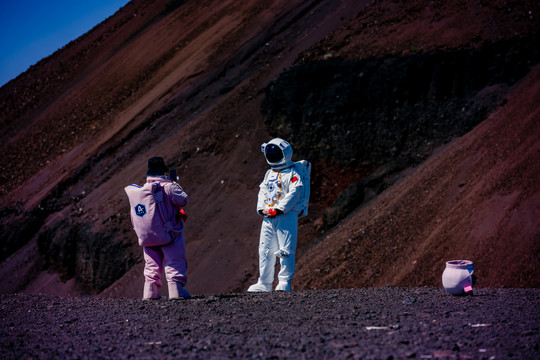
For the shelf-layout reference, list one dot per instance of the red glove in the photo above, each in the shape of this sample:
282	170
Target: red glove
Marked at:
272	212
182	215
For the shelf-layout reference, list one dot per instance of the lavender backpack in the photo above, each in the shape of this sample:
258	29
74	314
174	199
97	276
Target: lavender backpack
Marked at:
149	217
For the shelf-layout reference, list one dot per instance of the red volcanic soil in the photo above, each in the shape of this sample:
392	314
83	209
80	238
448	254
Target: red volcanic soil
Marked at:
186	81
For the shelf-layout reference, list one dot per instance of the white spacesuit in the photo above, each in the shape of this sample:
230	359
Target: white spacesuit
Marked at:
278	202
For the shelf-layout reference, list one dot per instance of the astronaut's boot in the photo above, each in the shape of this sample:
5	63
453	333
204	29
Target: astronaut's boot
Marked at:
177	291
151	291
260	287
267	261
284	285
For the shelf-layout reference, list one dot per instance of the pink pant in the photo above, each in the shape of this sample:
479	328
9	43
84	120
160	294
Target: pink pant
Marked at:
172	257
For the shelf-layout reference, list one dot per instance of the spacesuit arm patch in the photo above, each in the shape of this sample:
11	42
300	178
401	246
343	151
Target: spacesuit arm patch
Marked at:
294	179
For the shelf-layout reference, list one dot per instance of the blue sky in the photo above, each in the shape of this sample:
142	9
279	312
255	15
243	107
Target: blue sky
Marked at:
33	29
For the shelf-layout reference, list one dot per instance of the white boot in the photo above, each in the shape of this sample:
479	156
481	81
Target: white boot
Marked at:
260	287
283	285
177	291
151	291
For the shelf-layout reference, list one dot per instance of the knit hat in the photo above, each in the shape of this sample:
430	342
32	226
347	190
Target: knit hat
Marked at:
156	166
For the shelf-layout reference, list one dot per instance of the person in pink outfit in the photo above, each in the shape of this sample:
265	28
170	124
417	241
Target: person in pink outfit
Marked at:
158	220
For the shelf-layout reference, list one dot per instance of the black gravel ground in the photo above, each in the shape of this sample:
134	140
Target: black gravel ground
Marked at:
381	323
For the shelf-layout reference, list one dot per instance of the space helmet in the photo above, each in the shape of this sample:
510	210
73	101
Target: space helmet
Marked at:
278	153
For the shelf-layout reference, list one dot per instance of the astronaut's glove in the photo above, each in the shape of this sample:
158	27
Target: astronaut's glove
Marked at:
273	212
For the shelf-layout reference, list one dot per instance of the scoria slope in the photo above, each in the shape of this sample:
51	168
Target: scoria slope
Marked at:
195	82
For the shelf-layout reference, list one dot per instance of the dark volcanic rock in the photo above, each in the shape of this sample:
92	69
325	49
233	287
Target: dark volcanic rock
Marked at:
94	258
380	323
375	110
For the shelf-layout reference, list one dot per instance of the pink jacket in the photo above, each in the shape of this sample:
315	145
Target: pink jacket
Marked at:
176	197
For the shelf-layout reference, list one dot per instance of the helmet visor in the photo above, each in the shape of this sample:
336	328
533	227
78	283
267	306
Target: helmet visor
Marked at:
273	153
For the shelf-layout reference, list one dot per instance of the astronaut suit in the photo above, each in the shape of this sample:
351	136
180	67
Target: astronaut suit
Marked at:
278	204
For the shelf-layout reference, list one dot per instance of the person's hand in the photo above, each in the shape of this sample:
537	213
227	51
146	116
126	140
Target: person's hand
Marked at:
182	214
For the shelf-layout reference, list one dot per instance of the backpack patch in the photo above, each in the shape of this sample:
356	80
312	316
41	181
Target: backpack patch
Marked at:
140	210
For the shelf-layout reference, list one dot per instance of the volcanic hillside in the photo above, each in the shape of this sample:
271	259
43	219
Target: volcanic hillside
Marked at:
421	119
